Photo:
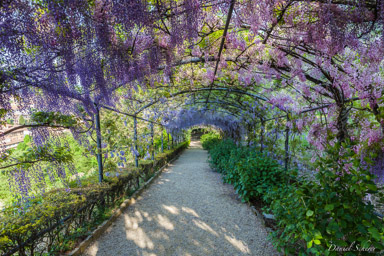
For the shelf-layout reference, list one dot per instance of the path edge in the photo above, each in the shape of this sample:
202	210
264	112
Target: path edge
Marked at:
118	211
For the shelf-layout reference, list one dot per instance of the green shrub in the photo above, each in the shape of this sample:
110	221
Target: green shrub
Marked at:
210	139
231	169
314	216
219	154
250	172
257	174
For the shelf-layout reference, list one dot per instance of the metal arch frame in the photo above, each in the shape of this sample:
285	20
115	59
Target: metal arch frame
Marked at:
235	106
216	125
230	90
219	102
226	111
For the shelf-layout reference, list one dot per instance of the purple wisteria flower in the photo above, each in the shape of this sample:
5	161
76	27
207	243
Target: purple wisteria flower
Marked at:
147	156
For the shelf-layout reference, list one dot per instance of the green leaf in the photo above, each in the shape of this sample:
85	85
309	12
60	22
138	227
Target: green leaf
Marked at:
339	234
317	234
309	244
372	187
375	233
340	243
329	207
366	243
310	213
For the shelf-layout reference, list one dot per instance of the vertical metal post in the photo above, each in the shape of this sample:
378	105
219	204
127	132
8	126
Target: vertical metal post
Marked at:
262	136
287	144
98	141
135	140
153	148
168	142
249	128
162	139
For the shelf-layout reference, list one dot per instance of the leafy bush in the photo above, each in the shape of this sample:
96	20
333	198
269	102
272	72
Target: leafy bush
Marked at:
250	172
210	139
219	154
314	217
232	167
258	173
328	212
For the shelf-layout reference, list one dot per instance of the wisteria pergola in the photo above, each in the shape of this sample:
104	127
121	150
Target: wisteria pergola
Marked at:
296	86
312	66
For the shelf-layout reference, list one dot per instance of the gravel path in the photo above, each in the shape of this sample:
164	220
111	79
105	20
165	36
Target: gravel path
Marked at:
186	211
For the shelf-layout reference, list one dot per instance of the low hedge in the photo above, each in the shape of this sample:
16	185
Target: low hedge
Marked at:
60	219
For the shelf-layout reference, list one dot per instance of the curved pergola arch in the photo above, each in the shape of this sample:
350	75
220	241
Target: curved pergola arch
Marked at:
204	89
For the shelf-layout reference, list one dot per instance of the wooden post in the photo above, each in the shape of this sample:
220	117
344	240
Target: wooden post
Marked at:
98	141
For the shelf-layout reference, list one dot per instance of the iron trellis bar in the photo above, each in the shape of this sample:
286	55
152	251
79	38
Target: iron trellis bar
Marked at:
152	143
311	109
203	89
131	115
135	140
262	130
286	160
99	149
227	103
235	91
168	141
190	60
162	139
223	111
